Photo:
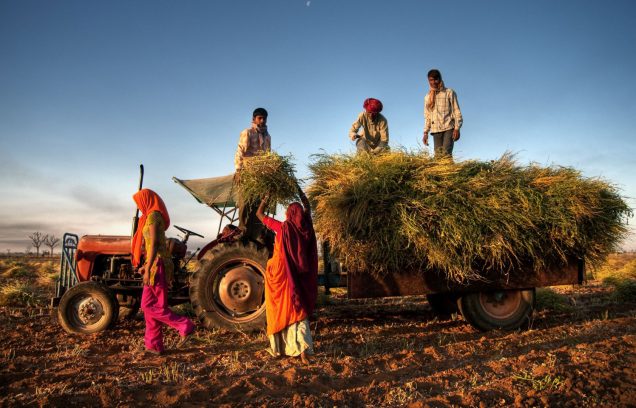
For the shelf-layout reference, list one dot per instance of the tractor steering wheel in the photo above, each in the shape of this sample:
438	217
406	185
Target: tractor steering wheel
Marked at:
187	233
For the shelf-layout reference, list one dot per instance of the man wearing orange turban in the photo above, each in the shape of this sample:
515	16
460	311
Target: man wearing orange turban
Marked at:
375	128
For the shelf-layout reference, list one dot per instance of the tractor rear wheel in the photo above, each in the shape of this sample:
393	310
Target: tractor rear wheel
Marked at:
500	309
87	307
228	289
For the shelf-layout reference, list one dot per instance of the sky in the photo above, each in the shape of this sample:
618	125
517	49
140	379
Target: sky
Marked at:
89	90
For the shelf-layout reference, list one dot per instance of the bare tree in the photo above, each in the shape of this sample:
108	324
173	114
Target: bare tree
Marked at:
51	242
37	239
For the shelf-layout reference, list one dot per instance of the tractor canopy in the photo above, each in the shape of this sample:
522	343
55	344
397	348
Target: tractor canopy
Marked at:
214	192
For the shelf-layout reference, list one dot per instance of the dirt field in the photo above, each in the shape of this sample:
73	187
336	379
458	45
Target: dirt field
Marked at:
391	352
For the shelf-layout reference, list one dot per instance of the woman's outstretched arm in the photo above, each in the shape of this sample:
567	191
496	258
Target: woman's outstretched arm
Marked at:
260	213
304	200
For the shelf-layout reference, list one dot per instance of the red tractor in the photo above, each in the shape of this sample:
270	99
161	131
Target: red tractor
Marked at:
98	284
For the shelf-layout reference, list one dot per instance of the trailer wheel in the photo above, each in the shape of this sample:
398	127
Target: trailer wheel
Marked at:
228	290
443	304
87	307
503	309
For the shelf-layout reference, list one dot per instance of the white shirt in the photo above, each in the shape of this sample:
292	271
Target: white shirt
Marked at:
445	115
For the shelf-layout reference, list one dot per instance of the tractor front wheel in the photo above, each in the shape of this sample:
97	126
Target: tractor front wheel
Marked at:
87	307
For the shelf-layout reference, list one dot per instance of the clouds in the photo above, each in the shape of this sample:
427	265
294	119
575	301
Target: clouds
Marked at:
96	200
16	173
15	235
38	200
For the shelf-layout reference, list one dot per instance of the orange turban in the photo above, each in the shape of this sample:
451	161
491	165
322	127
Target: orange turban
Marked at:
147	201
372	105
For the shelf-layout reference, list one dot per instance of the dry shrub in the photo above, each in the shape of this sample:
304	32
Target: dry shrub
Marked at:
405	211
17	294
621	279
23	268
548	299
268	174
617	265
18	269
624	289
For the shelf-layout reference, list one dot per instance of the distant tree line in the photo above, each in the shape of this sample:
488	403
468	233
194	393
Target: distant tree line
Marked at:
39	239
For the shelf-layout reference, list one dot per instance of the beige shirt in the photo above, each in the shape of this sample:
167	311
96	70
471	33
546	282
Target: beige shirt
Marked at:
251	142
445	115
376	133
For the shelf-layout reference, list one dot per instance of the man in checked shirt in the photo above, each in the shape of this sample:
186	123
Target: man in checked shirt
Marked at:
442	115
253	141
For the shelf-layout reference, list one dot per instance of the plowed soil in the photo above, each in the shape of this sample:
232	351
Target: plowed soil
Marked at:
388	352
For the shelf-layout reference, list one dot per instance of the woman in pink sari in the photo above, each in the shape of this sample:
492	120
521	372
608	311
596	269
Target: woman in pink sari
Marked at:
291	281
157	271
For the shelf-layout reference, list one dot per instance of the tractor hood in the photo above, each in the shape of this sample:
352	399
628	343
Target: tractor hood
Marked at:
92	246
105	244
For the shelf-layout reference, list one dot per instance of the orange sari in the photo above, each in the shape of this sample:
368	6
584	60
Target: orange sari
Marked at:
291	272
280	308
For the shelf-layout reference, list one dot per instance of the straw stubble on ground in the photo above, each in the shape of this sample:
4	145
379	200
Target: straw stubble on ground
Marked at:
384	352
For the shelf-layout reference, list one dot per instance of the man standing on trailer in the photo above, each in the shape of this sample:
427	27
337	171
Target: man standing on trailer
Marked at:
442	115
253	141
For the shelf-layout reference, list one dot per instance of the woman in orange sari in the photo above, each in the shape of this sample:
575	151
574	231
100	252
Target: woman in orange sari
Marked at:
291	281
157	271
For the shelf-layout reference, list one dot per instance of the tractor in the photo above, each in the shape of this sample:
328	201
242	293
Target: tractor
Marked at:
98	285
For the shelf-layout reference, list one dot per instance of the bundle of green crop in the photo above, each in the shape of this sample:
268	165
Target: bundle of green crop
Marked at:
268	174
405	211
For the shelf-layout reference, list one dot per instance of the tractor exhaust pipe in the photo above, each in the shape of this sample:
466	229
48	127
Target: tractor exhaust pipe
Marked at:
136	217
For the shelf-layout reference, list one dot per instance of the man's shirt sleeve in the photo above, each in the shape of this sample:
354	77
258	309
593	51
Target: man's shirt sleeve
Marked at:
427	116
457	114
240	150
355	127
384	132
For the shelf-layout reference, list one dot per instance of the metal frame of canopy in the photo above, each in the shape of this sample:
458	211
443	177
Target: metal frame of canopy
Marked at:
217	193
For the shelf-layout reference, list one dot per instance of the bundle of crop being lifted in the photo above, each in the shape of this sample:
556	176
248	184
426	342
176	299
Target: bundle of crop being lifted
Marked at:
271	174
405	211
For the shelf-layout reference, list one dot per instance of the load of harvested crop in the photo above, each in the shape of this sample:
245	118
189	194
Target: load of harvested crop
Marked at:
405	211
270	174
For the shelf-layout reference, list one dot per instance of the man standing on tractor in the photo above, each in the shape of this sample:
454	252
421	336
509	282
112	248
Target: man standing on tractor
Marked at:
375	128
253	141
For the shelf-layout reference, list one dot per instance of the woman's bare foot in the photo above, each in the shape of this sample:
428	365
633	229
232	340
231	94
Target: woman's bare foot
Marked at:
304	357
